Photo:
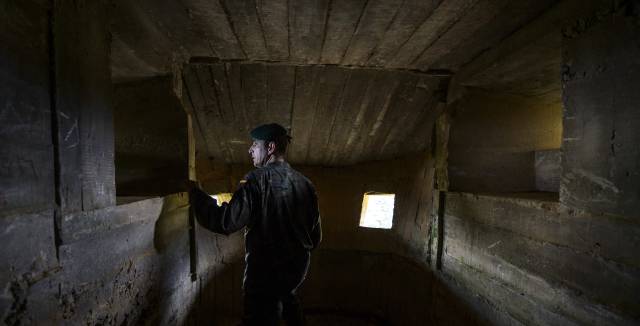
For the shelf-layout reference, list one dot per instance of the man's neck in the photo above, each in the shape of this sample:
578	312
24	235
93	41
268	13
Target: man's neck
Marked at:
274	159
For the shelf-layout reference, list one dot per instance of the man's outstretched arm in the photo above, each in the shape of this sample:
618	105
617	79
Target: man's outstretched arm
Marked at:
224	219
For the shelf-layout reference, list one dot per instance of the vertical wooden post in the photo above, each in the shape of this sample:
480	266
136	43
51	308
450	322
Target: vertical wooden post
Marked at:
441	185
193	249
177	89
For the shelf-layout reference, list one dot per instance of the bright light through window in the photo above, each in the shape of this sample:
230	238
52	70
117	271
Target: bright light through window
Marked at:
222	197
377	210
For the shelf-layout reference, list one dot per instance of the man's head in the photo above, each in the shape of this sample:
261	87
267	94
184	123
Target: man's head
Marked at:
269	144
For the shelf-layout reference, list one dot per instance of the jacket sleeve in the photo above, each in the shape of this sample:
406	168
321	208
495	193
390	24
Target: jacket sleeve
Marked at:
227	218
316	231
316	234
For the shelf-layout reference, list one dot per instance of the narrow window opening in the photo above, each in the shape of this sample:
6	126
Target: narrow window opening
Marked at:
377	210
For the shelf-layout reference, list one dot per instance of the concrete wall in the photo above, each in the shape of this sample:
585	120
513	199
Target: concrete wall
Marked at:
150	138
539	263
529	259
494	137
130	264
27	152
96	263
83	110
124	264
451	258
601	142
69	255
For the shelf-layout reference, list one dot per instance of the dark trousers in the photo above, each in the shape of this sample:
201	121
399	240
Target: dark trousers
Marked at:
270	290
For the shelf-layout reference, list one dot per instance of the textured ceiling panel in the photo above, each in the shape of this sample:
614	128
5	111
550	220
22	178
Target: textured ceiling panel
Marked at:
151	37
336	115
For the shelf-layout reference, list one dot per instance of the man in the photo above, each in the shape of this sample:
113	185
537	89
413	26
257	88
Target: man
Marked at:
279	208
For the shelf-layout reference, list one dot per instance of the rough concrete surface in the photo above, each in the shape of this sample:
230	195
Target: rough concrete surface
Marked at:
150	135
72	256
494	137
543	254
26	172
601	142
84	132
547	170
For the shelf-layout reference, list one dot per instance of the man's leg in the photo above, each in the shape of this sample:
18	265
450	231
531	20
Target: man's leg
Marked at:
260	308
292	278
292	310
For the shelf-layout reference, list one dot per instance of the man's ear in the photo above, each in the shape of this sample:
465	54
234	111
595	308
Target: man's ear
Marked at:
271	147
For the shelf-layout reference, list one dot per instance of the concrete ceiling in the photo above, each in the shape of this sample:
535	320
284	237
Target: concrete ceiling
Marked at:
423	35
336	115
354	80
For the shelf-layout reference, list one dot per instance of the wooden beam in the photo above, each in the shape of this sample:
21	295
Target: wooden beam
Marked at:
193	248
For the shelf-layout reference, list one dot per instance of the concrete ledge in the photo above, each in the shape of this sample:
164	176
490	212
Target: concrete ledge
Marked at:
569	263
81	225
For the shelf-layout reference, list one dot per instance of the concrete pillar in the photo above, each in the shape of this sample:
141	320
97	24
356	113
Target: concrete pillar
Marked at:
601	93
57	143
27	170
83	105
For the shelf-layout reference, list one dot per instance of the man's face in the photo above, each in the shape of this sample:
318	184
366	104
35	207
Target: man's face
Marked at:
258	152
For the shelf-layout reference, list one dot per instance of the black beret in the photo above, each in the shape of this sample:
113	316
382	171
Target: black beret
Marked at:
269	132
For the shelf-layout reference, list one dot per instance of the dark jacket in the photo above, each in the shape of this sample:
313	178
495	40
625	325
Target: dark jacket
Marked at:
278	206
